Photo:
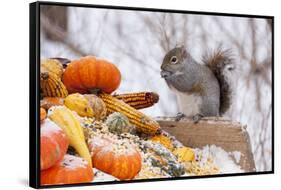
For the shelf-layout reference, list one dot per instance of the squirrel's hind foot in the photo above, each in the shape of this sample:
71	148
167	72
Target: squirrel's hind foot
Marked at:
196	118
179	116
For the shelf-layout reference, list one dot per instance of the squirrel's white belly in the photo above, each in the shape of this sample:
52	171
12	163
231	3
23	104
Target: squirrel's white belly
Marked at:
189	104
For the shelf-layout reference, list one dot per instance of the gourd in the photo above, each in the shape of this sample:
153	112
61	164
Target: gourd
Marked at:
184	154
48	102
43	114
70	170
139	100
66	120
87	105
165	160
51	85
142	122
52	66
53	144
89	73
115	158
118	123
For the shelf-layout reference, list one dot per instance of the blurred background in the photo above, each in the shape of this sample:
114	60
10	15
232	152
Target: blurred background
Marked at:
137	42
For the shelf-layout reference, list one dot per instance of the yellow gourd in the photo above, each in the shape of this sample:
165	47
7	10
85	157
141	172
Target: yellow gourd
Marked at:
68	122
86	105
52	66
184	154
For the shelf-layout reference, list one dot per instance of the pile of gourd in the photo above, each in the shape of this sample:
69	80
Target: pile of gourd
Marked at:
83	127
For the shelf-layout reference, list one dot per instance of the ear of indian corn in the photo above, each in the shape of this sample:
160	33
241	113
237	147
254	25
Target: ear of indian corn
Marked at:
139	100
142	122
52	86
68	122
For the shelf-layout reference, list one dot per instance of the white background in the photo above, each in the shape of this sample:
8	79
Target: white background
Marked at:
14	40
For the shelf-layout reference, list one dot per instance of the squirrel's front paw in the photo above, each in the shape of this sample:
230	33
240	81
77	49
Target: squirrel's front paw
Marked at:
179	116
196	118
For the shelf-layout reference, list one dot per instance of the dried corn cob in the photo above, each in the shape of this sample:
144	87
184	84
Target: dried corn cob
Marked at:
139	100
52	86
142	122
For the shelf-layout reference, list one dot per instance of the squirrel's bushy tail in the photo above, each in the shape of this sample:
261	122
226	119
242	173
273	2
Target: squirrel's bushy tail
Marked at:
219	62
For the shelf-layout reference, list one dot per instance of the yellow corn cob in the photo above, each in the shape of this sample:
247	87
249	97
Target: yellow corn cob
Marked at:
52	86
142	122
139	100
68	122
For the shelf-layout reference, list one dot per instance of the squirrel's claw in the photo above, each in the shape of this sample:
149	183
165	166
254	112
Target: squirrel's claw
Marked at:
196	118
179	116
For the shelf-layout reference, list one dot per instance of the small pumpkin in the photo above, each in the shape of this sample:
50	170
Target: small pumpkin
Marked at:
90	73
70	170
118	123
53	144
48	102
96	143
87	105
43	114
115	158
184	154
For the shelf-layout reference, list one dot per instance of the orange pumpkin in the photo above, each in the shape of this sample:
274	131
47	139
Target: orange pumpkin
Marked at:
117	159
53	144
97	143
71	169
90	73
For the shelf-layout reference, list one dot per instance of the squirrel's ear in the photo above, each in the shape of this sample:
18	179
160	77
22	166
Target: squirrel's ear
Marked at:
183	51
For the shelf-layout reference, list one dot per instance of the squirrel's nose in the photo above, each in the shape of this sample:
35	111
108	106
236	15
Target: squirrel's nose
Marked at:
165	74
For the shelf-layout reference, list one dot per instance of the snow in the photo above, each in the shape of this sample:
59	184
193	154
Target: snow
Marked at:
236	155
73	162
221	158
101	176
48	127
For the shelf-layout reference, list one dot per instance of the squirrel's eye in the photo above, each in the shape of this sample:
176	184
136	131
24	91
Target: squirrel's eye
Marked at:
174	60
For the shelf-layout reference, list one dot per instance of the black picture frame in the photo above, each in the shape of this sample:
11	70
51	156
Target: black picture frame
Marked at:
34	83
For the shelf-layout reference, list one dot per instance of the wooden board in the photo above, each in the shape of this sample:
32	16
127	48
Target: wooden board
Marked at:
229	135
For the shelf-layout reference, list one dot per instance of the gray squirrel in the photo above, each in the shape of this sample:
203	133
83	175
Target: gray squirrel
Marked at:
201	89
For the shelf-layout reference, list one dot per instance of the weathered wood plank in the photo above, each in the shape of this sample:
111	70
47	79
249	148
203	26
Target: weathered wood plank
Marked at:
229	135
